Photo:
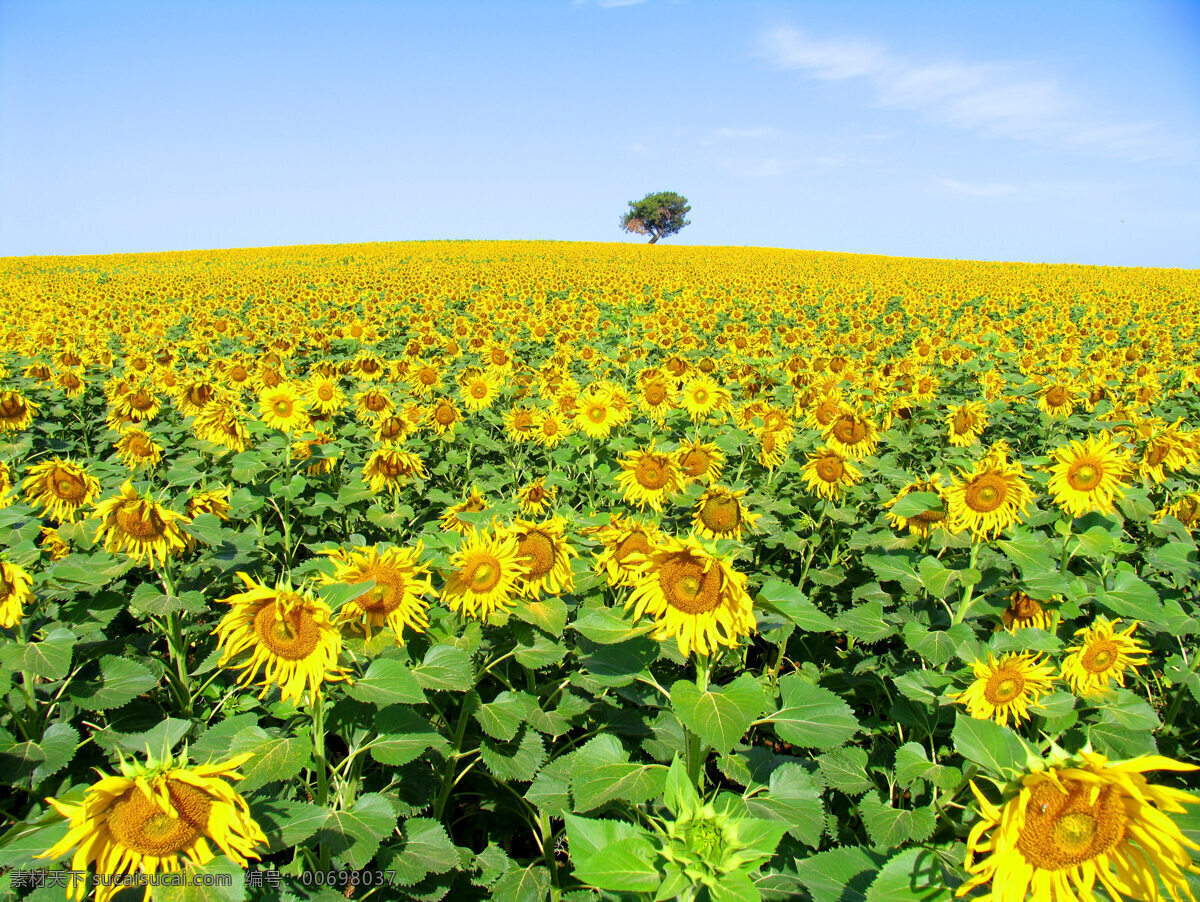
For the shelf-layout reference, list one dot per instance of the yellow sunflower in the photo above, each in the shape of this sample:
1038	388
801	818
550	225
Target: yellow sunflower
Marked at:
444	417
1075	822
772	445
136	449
392	469
989	499
720	514
479	391
474	503
1024	612
596	415
1006	689
656	398
59	488
303	450
623	540
140	527
209	501
695	597
829	474
5	484
396	599
54	544
703	396
1102	657
1058	399
222	422
520	423
852	434
156	818
1186	510
536	498
544	550
287	633
324	393
16	591
424	378
648	476
551	428
193	395
965	423
924	523
1089	475
700	461
487	574
282	408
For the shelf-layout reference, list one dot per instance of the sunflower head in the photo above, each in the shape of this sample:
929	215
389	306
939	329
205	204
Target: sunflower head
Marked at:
1089	475
488	570
648	476
16	591
829	473
1103	656
139	527
544	550
720	514
1025	612
1005	689
396	600
59	487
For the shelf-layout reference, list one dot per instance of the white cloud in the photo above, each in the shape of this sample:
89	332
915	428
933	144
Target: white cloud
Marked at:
977	190
994	98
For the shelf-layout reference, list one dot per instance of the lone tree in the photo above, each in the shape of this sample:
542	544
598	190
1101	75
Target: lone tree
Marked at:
657	215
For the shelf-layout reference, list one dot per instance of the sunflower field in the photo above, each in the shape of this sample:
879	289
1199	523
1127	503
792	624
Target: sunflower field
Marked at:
531	570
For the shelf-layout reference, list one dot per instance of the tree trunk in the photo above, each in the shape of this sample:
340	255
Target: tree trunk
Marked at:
655	238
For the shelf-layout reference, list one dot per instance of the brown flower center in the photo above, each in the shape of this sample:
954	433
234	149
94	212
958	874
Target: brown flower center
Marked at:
1084	475
140	824
444	414
536	550
849	430
1003	686
722	514
634	543
986	493
292	635
1063	830
482	574
67	486
829	469
387	593
1100	656
651	473
695	462
686	585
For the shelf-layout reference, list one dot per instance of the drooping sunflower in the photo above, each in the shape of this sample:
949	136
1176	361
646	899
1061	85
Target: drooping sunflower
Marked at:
59	487
623	541
544	550
1102	657
923	523
1186	510
694	596
1078	821
1165	450
487	574
54	544
156	818
988	499
392	469
474	503
1089	475
139	527
720	514
287	633
194	393
136	449
648	476
536	497
965	423
699	461
444	416
138	401
424	378
852	434
222	422
1005	689
829	474
5	484
392	430
1024	612
209	501
303	450
396	600
16	591
772	445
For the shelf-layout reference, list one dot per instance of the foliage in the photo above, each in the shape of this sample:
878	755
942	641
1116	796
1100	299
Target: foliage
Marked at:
659	215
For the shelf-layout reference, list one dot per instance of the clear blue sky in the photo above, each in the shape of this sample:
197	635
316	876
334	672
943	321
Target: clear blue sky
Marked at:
1063	132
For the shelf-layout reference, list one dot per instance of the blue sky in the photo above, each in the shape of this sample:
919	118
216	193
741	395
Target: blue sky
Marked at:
1061	132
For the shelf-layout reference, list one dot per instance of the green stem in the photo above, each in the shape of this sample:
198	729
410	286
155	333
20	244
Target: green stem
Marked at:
1180	691
694	750
320	765
969	591
1064	557
175	644
460	730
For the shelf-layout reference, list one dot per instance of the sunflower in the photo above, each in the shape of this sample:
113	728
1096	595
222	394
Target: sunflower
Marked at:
544	550
137	401
648	476
1088	475
324	394
702	396
1057	399
209	501
597	416
15	592
59	488
1186	510
287	633
136	449
1024	612
536	497
550	428
424	378
479	391
222	422
156	818
623	540
989	499
695	597
965	423
395	600
924	523
193	394
54	544
829	474
139	527
71	383
1077	821
1166	449
720	514
656	398
444	416
392	469
852	434
1006	689
1102	657
520	423
5	484
487	575
699	461
474	503
772	443
303	450
283	408
16	411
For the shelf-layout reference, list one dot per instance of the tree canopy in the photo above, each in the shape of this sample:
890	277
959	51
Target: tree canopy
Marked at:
657	215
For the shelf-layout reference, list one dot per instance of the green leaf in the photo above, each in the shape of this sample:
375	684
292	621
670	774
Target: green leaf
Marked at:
995	748
387	682
719	715
846	769
517	759
608	626
898	566
889	827
1130	711
840	875
121	680
446	667
403	736
502	716
865	622
914	875
221	880
40	759
793	604
286	824
936	646
1040	574
1130	596
549	614
160	740
601	772
49	659
612	855
912	764
1116	741
812	716
275	756
354	835
427	850
793	797
531	884
915	503
619	665
214	743
205	528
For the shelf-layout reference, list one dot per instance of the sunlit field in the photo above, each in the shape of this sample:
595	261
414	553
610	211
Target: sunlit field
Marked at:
527	570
